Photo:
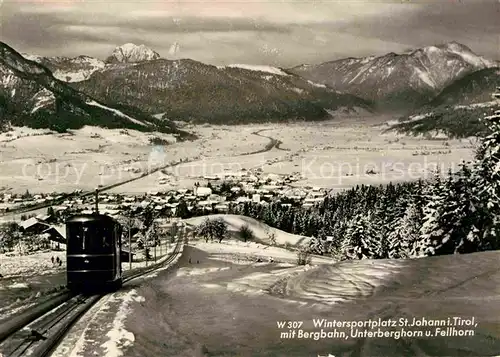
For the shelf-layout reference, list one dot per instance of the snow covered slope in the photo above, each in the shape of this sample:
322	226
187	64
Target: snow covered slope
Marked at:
69	69
398	81
260	230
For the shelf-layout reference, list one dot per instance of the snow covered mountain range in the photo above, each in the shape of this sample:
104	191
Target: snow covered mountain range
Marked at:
136	76
398	81
194	91
30	95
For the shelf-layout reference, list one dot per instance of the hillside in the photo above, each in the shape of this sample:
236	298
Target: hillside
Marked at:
31	96
457	110
192	91
259	229
398	82
473	88
455	122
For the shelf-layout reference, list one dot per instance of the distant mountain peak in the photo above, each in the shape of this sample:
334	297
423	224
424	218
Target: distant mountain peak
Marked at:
132	53
398	81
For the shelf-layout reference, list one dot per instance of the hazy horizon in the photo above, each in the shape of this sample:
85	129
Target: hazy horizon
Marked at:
263	32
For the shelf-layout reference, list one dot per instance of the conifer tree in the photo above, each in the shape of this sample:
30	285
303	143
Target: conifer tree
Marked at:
406	233
487	184
361	239
431	230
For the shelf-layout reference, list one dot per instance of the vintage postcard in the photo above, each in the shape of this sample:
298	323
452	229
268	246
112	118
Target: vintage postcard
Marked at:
249	178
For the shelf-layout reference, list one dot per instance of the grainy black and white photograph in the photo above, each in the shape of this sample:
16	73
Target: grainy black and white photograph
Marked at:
249	178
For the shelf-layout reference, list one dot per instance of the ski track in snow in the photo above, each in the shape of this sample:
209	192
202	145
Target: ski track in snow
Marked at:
116	111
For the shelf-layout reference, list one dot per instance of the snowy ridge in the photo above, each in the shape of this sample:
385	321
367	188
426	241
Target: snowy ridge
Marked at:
130	53
468	56
72	76
79	69
490	104
18	62
259	68
316	84
116	111
260	230
69	69
43	99
32	57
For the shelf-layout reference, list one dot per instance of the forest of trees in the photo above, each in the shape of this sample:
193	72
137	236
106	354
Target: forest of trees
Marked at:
455	212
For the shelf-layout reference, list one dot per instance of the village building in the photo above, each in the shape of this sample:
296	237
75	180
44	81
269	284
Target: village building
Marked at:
203	191
33	226
56	234
222	207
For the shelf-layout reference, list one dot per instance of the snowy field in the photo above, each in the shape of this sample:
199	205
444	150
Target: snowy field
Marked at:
240	253
28	276
38	161
343	154
233	305
335	154
14	264
239	293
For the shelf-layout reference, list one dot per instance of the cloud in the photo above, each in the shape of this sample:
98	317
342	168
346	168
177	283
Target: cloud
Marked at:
473	23
283	33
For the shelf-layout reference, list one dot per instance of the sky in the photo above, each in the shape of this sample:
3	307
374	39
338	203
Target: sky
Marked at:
282	33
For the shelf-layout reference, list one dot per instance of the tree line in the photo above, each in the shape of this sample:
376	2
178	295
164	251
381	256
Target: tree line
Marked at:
454	212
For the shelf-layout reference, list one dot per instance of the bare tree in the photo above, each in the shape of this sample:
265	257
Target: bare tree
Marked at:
303	256
246	233
272	238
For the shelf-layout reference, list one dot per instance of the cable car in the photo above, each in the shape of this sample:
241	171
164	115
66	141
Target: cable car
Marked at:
93	252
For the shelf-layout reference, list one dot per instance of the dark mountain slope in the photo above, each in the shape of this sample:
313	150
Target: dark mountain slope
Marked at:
192	91
473	88
458	109
31	96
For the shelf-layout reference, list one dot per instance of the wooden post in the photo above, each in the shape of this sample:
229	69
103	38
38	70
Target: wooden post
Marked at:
161	249
146	238
155	246
130	242
97	201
